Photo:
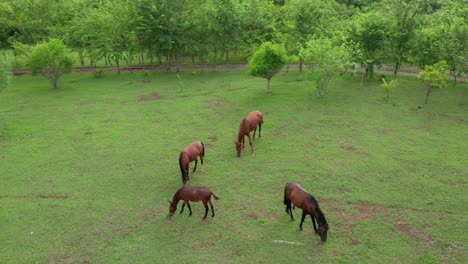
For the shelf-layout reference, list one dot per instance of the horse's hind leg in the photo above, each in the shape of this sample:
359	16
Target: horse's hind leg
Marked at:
201	160
259	130
255	130
195	168
302	220
206	209
212	208
290	212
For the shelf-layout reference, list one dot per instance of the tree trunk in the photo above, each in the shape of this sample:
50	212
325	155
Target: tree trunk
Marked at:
118	66
80	53
300	65
397	68
268	87
177	60
370	71
168	61
227	56
55	82
429	91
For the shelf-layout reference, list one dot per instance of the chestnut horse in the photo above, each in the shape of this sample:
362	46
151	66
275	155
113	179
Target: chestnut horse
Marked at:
192	194
249	123
295	194
191	153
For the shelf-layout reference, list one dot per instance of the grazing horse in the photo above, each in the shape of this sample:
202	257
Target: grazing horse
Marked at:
295	194
192	194
191	153
249	123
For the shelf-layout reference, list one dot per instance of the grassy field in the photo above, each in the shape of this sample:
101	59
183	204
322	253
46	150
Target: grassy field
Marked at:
86	171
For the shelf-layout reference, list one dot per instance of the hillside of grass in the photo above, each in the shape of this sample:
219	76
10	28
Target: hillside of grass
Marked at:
86	171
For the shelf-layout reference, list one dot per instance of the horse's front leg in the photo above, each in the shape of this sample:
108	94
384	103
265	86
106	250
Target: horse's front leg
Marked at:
183	206
196	162
250	142
302	220
255	130
313	222
190	209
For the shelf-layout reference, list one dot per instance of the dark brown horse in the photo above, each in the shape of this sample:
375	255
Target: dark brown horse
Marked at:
295	194
191	153
249	123
192	194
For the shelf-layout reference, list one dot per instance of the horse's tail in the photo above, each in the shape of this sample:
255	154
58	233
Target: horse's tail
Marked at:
203	149
214	195
181	164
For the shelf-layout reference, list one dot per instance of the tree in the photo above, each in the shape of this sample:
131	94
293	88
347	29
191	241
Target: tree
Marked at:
51	59
267	61
5	74
434	76
328	59
370	31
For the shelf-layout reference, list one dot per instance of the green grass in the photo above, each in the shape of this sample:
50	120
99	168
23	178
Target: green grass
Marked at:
86	171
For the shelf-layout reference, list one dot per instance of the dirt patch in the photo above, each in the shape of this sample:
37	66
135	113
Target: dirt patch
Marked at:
213	139
146	81
354	242
461	121
369	211
324	202
414	234
53	197
348	148
253	215
149	97
206	244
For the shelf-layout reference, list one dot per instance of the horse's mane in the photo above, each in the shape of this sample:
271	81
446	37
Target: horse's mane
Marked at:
318	211
241	129
176	196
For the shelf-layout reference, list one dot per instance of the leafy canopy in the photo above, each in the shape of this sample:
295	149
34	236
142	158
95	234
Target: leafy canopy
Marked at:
267	60
435	76
51	59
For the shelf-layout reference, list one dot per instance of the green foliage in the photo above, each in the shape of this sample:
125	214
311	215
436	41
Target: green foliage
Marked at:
370	31
389	87
434	76
51	59
99	73
267	61
328	59
5	73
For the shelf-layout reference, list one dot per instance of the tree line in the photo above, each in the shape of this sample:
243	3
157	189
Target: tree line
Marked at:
149	32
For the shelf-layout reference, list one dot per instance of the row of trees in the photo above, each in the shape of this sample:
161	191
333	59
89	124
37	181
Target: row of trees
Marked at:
417	32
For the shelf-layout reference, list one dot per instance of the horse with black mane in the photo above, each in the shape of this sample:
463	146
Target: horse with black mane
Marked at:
294	194
191	153
192	194
250	123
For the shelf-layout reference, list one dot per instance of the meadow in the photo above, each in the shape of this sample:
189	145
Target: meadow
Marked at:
86	171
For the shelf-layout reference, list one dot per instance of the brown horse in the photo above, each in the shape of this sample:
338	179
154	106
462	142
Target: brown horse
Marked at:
249	123
192	194
191	153
295	194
